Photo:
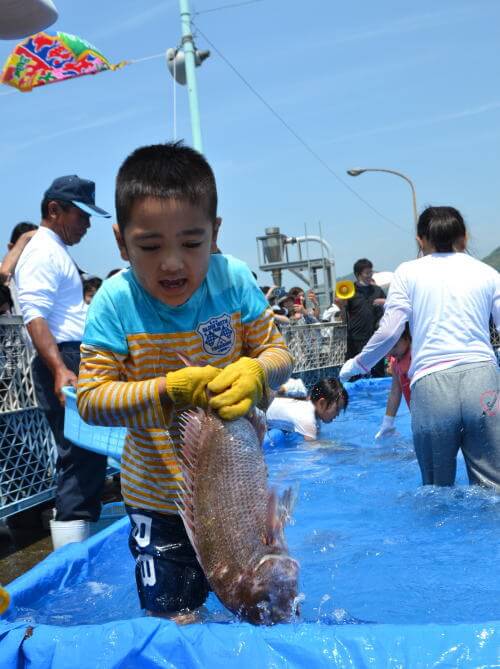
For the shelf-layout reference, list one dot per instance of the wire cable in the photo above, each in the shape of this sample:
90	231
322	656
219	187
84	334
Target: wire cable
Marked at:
231	6
297	136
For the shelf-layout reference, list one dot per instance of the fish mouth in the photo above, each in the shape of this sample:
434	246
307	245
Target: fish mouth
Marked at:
274	556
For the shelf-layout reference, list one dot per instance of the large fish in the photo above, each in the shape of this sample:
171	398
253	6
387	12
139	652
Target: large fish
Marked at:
233	521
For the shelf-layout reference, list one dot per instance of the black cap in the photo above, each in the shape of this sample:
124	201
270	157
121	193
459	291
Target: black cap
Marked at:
80	192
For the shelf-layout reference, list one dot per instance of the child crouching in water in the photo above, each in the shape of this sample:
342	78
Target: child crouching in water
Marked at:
303	416
400	361
178	295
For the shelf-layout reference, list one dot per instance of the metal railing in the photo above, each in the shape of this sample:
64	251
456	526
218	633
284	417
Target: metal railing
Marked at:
27	449
318	349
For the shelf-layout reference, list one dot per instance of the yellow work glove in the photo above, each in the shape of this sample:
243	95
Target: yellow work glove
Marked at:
187	386
237	388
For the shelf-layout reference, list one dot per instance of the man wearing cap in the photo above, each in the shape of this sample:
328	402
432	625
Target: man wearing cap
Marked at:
51	299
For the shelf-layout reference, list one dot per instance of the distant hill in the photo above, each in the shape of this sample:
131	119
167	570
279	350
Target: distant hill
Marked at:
493	259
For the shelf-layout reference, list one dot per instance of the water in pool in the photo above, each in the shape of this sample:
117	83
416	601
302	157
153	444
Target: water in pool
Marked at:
373	545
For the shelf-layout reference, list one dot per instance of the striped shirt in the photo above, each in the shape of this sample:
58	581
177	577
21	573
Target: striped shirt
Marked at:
130	344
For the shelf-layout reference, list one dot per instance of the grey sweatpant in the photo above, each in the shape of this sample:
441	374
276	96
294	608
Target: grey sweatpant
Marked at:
458	408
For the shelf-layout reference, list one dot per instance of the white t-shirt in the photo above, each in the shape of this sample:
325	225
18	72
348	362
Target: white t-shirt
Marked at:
331	314
448	299
293	416
49	286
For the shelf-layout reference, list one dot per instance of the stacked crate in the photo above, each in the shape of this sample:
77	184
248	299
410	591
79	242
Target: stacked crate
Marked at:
318	350
27	449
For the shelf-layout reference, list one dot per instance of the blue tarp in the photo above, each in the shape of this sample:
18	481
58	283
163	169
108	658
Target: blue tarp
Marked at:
144	643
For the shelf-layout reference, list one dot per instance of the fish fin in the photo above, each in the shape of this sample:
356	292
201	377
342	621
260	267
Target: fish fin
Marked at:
279	512
272	519
184	358
191	432
258	419
286	504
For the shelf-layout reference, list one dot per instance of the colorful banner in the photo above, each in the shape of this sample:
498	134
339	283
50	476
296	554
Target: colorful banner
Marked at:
49	57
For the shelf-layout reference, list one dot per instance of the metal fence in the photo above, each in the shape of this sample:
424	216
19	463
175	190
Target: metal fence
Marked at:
16	384
318	349
27	449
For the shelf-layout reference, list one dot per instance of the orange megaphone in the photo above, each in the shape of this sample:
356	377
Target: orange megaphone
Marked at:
344	290
4	600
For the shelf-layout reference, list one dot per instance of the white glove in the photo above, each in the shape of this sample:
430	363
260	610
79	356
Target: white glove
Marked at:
387	428
351	368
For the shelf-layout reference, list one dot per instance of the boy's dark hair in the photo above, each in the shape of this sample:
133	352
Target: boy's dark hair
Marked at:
442	226
20	229
331	390
360	265
165	171
93	282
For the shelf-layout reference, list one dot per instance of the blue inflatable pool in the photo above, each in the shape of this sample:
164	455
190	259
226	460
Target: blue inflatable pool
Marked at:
392	574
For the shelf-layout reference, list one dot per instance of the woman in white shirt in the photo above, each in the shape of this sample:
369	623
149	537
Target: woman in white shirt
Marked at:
448	298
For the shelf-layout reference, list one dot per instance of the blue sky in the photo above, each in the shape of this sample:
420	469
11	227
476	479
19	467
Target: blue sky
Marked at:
405	86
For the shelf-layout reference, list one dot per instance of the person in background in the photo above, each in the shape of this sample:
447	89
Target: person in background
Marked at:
363	311
303	416
178	295
447	296
51	300
399	362
305	308
293	388
112	272
20	236
90	288
332	315
273	295
6	303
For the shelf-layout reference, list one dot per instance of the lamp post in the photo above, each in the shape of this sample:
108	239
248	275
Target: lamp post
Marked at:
357	172
190	60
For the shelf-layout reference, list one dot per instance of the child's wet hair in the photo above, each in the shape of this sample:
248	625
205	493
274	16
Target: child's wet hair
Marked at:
331	390
165	171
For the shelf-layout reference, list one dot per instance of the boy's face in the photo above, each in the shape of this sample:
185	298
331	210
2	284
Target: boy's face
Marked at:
168	243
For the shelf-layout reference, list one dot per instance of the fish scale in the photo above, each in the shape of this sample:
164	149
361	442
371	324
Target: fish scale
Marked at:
232	519
237	495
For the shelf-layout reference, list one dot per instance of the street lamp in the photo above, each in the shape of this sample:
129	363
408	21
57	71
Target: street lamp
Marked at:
358	171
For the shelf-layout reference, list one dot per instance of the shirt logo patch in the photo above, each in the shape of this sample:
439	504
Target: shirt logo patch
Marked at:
217	335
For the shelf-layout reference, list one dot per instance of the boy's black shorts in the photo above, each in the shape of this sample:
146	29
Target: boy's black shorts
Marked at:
168	575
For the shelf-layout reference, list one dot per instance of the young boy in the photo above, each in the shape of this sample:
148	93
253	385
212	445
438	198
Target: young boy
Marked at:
177	296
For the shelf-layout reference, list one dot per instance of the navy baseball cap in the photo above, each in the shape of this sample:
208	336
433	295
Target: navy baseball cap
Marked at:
80	192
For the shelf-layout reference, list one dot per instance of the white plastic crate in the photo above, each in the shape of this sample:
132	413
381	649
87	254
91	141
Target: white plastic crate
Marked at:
100	439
